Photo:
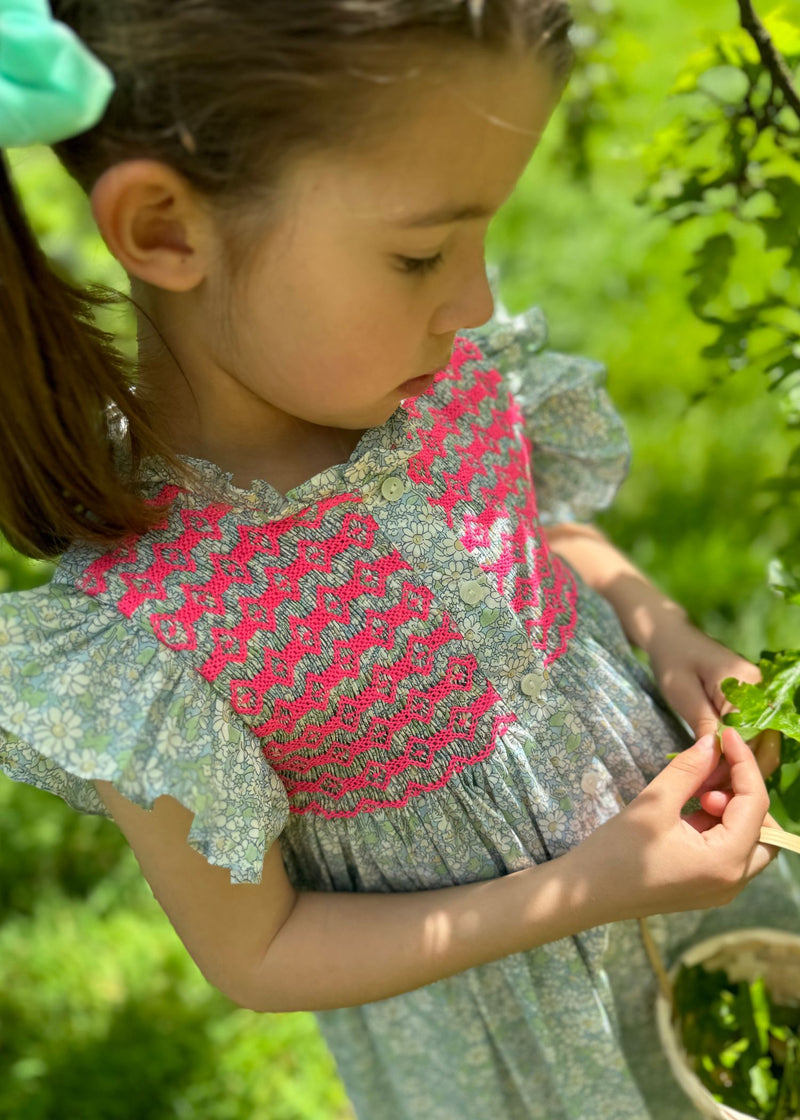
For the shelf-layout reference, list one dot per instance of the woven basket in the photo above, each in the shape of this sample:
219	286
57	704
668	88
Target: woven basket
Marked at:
744	954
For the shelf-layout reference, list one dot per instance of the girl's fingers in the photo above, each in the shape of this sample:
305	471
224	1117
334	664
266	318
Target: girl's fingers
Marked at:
686	774
767	749
716	801
749	804
720	779
717	697
687	695
770	822
704	720
702	821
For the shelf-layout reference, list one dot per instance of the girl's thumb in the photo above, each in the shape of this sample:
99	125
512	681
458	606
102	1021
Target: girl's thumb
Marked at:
688	771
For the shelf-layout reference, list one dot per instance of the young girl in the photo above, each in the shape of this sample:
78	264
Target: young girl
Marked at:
380	743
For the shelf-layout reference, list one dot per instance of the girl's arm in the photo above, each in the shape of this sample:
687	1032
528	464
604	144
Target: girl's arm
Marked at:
688	665
271	948
642	609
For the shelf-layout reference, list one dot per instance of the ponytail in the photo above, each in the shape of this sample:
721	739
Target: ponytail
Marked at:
61	378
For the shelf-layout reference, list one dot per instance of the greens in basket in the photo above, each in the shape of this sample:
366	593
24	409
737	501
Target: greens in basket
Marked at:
743	1047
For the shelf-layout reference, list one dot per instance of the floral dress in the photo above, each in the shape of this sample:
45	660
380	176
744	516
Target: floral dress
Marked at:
389	672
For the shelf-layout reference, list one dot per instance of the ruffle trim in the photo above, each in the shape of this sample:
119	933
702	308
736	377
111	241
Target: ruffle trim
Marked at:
581	450
135	717
379	450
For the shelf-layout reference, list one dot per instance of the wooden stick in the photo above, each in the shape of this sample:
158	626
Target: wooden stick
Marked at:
780	839
664	982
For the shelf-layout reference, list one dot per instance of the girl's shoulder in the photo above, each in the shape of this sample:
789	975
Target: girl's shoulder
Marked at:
580	447
517	346
86	695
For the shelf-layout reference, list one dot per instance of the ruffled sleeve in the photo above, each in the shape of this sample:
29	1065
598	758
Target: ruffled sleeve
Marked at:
581	451
85	696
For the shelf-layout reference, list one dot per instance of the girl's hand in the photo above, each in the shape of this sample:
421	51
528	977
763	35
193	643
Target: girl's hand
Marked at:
689	668
652	860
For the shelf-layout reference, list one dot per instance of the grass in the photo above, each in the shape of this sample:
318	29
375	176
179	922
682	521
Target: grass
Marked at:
103	1016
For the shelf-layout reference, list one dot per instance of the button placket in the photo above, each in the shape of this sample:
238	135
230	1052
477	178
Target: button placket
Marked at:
472	592
532	684
392	488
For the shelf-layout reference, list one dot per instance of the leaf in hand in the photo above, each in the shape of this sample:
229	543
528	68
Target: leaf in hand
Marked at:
775	702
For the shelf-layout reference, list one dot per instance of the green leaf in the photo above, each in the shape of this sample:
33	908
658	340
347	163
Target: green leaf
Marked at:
775	702
784	575
711	268
781	231
790	792
726	83
763	1085
747	1020
759	1001
784	33
731	1054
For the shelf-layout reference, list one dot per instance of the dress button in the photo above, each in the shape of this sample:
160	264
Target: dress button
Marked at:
532	684
392	488
472	592
590	783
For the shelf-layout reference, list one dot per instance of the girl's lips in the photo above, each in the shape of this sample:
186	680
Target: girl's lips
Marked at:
419	384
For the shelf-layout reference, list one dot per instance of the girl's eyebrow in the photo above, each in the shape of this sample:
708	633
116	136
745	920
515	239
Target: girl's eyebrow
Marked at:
444	215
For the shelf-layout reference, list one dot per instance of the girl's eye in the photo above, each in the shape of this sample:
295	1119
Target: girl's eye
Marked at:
420	265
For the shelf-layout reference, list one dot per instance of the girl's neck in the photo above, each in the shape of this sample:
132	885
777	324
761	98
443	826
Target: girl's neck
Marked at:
247	465
284	459
215	419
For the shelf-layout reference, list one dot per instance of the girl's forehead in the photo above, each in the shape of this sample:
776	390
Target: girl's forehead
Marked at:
454	152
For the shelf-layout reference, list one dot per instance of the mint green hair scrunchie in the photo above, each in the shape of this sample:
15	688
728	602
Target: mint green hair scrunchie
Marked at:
52	86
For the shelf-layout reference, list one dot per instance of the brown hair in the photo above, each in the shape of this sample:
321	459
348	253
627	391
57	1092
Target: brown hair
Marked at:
225	92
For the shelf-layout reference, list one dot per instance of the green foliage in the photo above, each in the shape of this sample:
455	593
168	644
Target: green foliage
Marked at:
46	846
18	572
730	167
744	1048
103	1016
775	702
595	87
61	218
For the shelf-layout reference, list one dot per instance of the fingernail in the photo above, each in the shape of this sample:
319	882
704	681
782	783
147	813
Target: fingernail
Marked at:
708	743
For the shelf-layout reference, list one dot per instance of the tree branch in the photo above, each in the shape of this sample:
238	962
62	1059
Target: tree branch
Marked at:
770	55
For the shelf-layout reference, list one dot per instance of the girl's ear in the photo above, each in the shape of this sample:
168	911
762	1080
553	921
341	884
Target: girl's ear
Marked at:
154	223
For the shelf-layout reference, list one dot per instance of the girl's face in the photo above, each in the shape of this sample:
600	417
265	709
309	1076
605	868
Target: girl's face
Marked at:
377	259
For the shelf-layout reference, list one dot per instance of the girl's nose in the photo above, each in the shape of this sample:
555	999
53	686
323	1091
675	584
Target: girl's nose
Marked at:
471	305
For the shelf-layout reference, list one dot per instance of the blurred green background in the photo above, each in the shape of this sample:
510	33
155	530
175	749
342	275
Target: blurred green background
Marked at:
102	1014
